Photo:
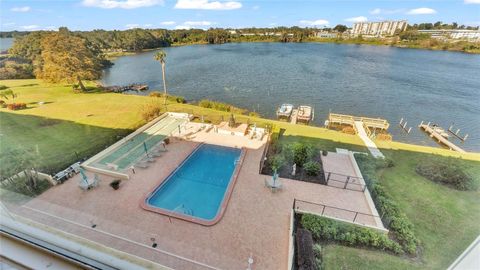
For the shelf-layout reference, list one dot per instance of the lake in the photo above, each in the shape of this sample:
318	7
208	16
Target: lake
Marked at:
376	81
6	43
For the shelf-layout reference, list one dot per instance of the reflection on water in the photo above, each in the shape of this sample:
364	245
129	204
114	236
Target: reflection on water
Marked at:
376	81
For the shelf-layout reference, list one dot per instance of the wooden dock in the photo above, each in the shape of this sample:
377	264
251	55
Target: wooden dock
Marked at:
439	138
344	119
293	117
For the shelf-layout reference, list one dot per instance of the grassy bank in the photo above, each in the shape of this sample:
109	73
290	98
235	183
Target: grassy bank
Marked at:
69	125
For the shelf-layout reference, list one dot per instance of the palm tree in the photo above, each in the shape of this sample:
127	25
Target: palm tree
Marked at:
160	57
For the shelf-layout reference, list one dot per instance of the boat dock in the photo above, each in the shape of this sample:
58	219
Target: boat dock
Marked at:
439	138
293	118
368	122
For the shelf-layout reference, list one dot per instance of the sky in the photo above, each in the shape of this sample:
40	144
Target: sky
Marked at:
184	14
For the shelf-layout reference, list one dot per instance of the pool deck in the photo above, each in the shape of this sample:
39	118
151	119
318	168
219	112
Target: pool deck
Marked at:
255	223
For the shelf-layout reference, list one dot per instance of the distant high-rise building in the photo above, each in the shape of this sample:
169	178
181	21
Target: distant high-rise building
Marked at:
377	29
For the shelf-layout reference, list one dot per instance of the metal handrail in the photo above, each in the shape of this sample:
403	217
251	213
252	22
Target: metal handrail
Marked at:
295	208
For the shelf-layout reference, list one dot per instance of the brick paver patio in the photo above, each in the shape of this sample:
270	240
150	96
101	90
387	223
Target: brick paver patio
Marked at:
255	223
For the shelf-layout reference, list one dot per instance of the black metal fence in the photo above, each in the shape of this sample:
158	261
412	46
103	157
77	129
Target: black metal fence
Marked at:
300	206
345	181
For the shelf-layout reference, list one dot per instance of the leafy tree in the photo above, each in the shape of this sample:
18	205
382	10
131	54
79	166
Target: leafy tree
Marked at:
69	58
340	28
160	57
7	93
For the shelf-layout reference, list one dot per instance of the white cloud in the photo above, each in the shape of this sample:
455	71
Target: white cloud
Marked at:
273	24
421	11
126	4
21	9
378	11
9	24
357	19
314	23
167	23
29	27
148	25
206	4
256	7
192	24
472	1
132	25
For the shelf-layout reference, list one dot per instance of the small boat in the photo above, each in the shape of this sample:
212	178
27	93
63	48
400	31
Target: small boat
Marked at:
285	111
440	131
305	113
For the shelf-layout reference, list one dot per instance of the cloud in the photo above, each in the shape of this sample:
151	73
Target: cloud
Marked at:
29	27
378	11
206	4
421	11
125	4
132	25
8	24
273	24
314	23
471	1
21	9
357	19
50	28
167	23
192	24
256	7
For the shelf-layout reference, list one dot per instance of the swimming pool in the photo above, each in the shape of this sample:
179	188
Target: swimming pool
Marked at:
199	189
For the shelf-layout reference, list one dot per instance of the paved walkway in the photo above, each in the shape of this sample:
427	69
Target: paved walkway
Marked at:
372	147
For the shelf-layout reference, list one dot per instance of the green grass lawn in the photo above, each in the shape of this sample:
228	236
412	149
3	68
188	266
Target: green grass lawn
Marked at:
445	220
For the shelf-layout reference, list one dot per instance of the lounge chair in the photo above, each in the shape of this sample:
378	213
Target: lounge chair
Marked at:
155	153
147	159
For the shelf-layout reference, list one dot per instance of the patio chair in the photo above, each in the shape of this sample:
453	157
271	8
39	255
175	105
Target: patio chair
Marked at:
155	153
147	159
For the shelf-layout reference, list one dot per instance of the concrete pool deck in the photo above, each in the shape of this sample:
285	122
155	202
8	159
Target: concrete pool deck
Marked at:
255	223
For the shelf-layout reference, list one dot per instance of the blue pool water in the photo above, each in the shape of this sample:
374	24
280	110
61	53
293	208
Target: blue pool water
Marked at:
198	186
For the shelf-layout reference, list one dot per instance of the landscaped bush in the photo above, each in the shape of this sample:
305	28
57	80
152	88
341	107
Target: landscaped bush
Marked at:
312	168
317	250
150	111
16	106
220	106
298	153
277	162
177	99
305	254
446	171
348	234
390	212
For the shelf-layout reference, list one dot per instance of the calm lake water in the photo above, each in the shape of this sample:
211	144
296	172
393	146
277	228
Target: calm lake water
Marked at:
391	83
6	43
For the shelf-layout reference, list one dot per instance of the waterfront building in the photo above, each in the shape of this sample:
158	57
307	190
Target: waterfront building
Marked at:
472	35
378	29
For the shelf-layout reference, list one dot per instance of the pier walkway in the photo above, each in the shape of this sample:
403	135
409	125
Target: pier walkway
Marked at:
372	147
293	117
441	140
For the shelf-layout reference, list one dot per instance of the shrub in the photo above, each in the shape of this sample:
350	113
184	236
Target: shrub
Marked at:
348	234
3	87
392	216
277	162
150	111
312	168
171	98
446	171
298	153
220	106
16	106
3	104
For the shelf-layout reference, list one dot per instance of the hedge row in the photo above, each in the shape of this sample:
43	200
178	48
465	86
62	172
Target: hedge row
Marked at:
348	234
392	216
